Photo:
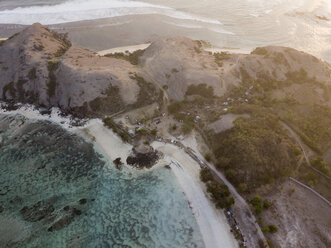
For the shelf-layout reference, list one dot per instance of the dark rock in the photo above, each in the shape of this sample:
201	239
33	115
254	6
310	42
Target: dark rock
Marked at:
167	167
4	190
16	200
65	220
143	160
38	211
77	211
82	201
118	163
1	209
45	111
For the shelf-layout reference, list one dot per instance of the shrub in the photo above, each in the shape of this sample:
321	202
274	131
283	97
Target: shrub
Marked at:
133	58
208	157
257	203
187	127
154	132
260	51
266	205
273	228
243	187
108	122
206	175
220	194
175	107
319	164
201	90
219	57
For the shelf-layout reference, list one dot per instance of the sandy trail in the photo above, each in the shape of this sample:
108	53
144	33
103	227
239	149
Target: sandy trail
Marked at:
213	226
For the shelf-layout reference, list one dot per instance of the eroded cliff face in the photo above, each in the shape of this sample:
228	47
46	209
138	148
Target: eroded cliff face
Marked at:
40	66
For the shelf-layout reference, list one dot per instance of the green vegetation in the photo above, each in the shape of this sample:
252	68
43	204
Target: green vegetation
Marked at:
219	192
147	93
52	67
187	127
111	103
270	228
312	124
320	165
259	204
206	175
108	122
175	107
62	50
219	57
255	151
261	51
133	58
208	157
201	90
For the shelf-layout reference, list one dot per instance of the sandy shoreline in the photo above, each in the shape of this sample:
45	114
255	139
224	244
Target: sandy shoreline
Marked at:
212	222
105	139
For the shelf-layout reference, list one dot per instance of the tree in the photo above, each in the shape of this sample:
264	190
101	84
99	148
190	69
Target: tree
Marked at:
257	203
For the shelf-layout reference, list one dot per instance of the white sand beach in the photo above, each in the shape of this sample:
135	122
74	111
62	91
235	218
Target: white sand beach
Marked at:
106	140
214	229
213	49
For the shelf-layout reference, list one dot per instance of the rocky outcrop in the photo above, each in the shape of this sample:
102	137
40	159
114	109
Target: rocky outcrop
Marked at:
67	217
143	157
38	211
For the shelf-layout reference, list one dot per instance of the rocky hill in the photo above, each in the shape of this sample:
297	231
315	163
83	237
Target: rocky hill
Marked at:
41	66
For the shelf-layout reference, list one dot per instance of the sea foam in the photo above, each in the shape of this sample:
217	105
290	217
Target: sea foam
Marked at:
79	10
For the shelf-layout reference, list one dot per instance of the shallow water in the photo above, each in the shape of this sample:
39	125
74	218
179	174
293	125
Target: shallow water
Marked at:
40	161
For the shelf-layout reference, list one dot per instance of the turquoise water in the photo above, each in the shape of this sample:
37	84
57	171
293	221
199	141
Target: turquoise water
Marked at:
42	162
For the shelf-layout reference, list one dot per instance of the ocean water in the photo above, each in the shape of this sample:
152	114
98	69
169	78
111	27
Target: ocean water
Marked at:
242	24
41	162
